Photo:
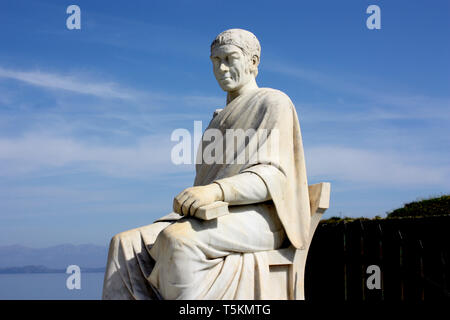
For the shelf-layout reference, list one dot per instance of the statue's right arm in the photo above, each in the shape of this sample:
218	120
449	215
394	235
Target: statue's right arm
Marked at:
244	188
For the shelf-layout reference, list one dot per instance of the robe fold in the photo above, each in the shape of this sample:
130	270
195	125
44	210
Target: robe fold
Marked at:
187	258
274	152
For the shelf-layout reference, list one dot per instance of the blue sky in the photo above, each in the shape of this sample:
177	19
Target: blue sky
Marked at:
86	115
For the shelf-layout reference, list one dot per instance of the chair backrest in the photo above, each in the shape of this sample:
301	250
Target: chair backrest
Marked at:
319	201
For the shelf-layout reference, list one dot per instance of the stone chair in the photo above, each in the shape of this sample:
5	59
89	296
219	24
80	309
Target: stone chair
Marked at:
286	265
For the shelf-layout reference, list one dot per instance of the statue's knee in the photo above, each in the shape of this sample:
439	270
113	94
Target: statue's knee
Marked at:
122	238
180	233
115	241
168	235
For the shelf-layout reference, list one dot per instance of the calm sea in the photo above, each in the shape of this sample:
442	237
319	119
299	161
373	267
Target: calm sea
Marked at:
50	286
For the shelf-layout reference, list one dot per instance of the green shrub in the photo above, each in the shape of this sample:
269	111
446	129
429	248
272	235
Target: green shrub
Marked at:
428	207
421	208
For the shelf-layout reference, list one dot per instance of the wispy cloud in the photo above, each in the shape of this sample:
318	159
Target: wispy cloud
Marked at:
149	155
384	154
375	168
86	84
69	83
112	138
380	103
345	112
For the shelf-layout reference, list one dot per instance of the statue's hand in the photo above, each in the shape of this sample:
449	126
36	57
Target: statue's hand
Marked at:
190	199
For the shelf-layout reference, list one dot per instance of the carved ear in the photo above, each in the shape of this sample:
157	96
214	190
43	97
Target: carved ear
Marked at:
255	63
255	60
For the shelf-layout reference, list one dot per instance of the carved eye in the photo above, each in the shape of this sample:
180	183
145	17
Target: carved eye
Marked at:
216	60
233	57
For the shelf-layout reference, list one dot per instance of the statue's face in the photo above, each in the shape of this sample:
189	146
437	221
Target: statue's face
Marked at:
231	67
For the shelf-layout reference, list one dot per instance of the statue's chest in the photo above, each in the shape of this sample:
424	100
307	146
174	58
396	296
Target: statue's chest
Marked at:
236	118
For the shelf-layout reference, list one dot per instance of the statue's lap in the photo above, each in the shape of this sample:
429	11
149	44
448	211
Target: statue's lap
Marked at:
247	224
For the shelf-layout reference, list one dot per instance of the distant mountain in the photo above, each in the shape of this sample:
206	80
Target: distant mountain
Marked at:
56	257
42	269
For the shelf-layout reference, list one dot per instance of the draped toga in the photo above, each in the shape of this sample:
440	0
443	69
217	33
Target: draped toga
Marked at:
187	258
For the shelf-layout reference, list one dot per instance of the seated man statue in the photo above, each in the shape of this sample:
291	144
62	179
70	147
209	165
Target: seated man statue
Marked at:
183	257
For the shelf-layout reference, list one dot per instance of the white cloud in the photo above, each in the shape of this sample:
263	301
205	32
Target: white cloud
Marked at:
374	167
86	84
381	104
150	156
58	142
33	153
69	83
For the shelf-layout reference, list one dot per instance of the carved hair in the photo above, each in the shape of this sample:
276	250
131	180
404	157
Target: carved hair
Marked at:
243	39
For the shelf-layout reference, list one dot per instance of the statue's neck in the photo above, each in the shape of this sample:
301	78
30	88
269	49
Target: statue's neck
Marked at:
249	86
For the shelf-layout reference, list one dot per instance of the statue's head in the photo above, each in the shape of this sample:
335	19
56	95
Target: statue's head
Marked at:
235	55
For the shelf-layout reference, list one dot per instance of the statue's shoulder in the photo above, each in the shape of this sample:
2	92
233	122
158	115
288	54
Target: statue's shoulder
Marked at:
275	99
274	95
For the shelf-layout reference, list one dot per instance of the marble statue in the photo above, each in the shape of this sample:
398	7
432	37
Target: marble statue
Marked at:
181	256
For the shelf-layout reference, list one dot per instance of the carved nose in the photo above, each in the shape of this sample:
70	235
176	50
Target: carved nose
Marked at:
223	67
